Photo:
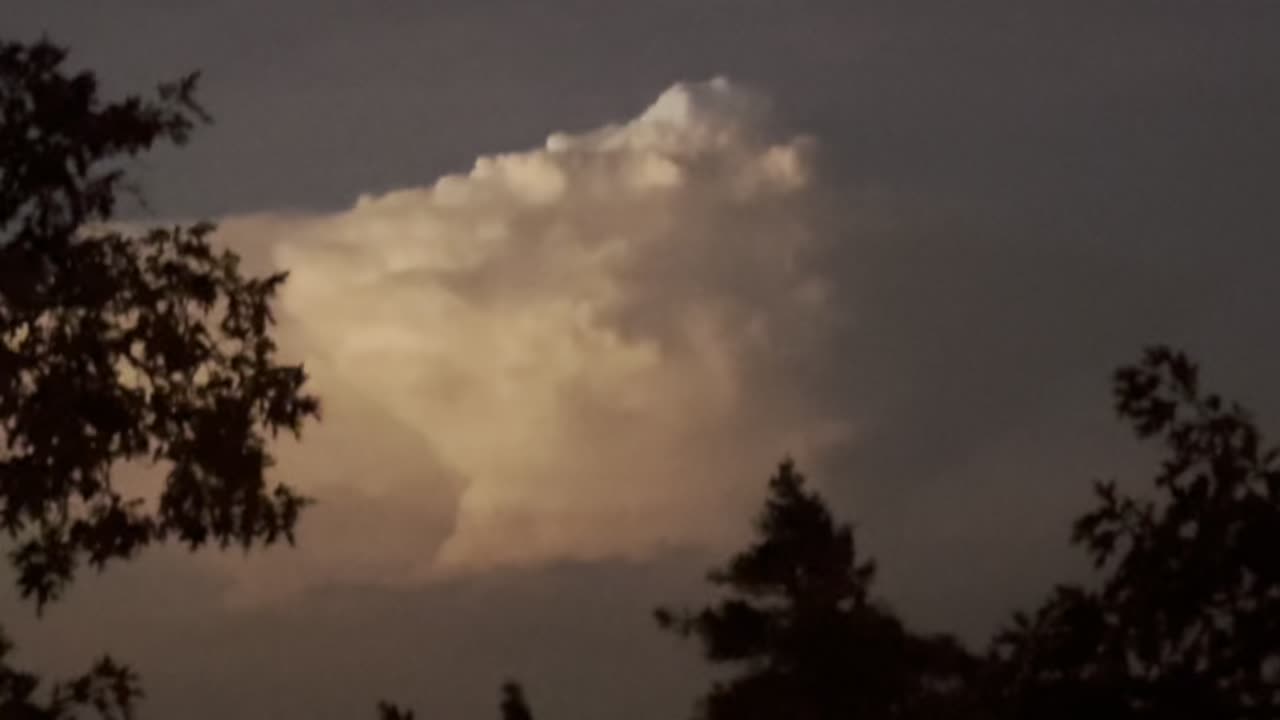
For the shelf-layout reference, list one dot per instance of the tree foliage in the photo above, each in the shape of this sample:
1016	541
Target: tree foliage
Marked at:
109	689
798	624
391	711
116	347
150	348
1186	623
513	705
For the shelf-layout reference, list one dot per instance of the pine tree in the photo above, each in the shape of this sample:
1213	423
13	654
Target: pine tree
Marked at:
798	623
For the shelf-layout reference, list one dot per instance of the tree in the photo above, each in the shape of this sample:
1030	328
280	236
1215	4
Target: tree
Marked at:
154	347
514	706
108	688
1186	623
390	711
798	623
115	347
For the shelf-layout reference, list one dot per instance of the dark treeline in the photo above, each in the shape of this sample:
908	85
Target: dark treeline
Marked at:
1182	622
156	347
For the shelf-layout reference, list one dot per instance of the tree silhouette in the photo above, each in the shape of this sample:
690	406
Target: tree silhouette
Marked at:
389	711
514	706
108	688
114	348
798	623
1187	621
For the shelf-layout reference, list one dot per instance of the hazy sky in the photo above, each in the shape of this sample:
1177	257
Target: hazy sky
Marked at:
907	242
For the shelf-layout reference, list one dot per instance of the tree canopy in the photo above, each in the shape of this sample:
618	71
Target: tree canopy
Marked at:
153	347
1186	620
798	622
513	705
116	347
1183	620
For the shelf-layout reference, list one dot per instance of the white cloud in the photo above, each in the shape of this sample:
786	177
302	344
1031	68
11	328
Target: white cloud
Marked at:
599	342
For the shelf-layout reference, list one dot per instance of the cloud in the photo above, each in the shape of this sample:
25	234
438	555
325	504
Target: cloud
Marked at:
592	349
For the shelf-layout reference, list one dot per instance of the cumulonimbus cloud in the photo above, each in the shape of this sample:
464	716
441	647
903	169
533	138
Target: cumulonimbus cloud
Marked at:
585	350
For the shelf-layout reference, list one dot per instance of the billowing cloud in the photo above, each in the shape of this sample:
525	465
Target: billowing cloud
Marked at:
591	349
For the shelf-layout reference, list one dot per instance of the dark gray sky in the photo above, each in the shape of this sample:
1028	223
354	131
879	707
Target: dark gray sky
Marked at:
1057	185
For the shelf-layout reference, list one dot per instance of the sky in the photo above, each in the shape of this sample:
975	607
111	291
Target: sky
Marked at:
571	276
